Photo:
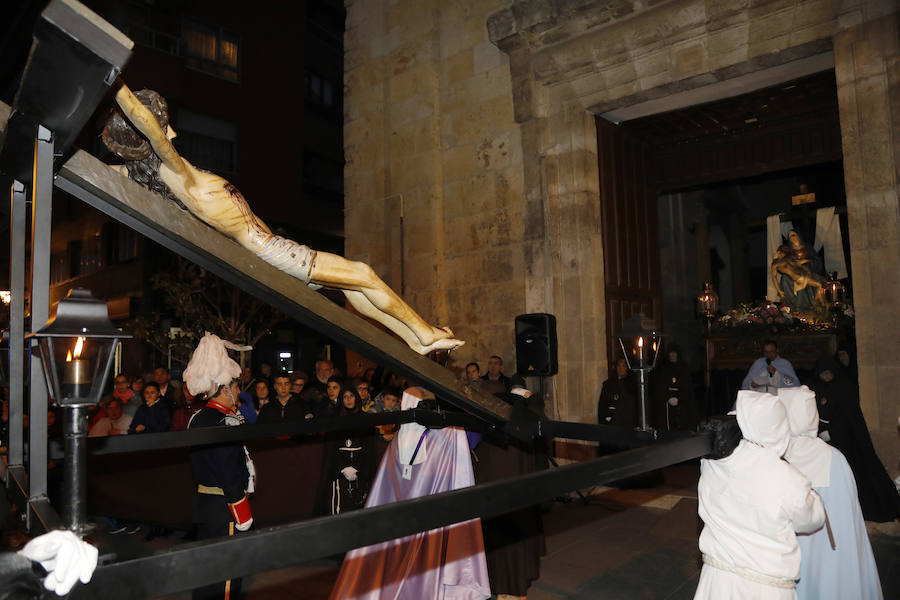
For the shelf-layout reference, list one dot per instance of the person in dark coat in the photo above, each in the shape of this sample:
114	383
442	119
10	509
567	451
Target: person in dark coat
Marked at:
154	415
674	406
618	398
350	462
513	542
285	406
841	424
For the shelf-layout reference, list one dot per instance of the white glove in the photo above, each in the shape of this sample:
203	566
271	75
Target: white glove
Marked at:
349	473
245	526
251	469
65	558
673	401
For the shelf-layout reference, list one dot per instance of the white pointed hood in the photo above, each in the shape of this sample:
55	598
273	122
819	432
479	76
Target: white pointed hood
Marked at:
806	451
763	420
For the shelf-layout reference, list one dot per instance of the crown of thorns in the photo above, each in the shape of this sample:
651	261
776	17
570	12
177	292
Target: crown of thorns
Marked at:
120	136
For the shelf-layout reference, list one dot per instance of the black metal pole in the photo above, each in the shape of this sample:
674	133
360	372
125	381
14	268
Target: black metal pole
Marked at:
16	372
642	395
42	191
75	423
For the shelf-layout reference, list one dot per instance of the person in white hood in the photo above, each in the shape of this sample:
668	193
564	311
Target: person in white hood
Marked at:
751	503
845	568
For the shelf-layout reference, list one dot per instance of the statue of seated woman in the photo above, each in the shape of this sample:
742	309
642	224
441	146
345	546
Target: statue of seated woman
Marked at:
154	163
794	279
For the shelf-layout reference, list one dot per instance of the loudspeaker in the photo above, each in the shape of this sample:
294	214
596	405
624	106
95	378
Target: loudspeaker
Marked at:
536	345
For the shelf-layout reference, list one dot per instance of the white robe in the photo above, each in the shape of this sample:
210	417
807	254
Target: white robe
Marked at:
848	570
751	503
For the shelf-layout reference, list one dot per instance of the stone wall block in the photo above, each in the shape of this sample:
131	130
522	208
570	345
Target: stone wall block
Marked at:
652	64
876	128
587	85
487	56
770	46
772	25
408	83
459	161
690	60
869	51
410	110
884	270
862	279
414	16
893	76
533	14
728	40
867	375
888	379
501	24
883	221
402	142
465	35
725	13
819	31
458	67
850	141
457	201
813	12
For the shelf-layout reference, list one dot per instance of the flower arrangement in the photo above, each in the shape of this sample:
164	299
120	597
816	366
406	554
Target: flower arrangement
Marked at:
779	318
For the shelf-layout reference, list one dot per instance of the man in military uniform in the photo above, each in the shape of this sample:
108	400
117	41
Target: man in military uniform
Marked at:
221	506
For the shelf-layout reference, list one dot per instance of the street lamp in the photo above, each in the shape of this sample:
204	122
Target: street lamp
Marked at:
708	303
708	308
77	348
834	291
640	344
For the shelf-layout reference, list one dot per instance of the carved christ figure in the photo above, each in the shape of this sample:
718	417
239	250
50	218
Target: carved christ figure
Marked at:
219	204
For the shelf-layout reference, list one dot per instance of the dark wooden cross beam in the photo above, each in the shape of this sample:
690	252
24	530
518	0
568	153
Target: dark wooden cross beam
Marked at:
95	183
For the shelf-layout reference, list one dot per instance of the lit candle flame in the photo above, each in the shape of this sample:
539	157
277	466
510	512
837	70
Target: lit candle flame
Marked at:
69	356
79	346
640	342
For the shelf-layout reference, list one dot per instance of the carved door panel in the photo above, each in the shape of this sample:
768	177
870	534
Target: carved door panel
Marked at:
630	230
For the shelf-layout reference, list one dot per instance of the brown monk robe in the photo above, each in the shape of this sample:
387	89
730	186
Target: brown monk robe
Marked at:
219	204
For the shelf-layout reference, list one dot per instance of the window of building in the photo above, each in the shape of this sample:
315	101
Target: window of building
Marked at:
150	27
211	49
205	47
320	90
207	142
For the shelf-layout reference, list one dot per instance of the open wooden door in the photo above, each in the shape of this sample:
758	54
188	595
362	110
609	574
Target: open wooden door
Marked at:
630	230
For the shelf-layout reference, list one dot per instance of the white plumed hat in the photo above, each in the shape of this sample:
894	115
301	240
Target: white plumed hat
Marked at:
210	366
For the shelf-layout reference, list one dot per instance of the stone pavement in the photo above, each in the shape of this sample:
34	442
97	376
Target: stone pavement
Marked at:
622	544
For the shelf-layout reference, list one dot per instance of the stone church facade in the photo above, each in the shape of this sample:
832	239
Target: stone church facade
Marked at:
472	176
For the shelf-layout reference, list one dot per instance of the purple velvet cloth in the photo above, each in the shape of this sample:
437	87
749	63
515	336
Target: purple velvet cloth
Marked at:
445	563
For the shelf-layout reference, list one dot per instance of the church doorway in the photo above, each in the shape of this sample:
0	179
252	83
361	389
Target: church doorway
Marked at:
706	178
